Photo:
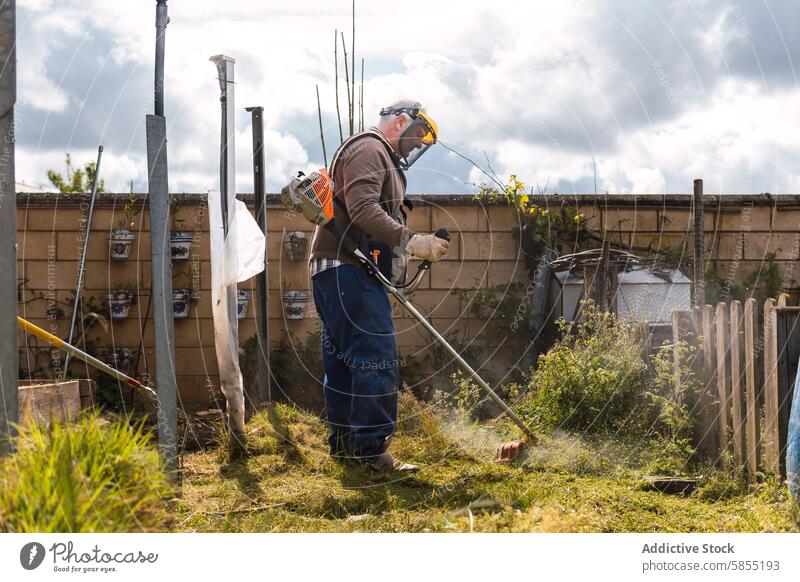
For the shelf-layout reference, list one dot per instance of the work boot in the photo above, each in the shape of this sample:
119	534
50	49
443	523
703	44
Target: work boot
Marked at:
386	462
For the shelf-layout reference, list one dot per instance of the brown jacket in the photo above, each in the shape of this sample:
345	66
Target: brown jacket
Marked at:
370	187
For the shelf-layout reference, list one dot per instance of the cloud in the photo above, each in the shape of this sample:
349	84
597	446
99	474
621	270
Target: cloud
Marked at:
656	93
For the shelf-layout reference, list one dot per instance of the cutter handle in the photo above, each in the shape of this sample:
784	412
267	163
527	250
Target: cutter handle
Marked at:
442	233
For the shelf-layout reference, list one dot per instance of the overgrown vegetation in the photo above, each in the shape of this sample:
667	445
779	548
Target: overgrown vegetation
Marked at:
591	379
90	476
561	228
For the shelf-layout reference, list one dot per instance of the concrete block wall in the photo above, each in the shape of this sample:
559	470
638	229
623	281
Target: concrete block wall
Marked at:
50	233
740	230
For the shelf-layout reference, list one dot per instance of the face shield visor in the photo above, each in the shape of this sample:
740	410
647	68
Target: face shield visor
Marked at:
420	134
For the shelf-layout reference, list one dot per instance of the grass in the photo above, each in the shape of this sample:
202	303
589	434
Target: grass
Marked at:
288	483
93	475
97	475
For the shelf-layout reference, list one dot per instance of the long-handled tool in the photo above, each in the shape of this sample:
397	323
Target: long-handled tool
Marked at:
148	393
312	196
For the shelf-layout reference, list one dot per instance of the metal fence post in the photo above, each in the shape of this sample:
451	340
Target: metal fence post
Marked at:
9	350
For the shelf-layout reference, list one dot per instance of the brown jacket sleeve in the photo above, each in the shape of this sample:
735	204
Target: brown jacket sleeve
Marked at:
364	173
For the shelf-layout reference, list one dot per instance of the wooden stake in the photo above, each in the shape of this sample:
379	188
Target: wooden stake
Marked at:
336	65
723	378
753	420
737	384
361	99
347	85
353	73
771	452
321	134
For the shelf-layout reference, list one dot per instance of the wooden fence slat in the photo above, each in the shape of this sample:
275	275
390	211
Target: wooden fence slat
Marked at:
708	400
771	442
788	346
723	375
753	416
737	383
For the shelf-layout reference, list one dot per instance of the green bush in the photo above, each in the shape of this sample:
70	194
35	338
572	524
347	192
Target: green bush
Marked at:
591	379
90	476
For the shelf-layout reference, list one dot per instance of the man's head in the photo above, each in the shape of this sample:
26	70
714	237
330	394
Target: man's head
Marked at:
408	129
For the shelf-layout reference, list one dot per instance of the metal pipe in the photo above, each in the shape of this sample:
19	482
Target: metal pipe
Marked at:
262	289
227	85
161	29
9	348
160	259
79	285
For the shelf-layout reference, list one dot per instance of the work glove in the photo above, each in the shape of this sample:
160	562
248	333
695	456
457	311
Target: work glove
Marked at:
427	247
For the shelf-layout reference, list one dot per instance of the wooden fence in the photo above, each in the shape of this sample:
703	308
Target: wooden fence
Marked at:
745	361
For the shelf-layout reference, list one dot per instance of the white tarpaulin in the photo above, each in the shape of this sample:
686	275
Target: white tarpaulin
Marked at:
234	258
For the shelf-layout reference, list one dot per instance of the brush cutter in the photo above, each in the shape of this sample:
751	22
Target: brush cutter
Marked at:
312	196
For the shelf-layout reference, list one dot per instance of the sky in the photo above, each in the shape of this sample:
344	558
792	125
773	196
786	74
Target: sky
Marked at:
622	96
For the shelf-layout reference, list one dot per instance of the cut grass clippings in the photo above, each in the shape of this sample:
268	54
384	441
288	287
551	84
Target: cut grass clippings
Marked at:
288	483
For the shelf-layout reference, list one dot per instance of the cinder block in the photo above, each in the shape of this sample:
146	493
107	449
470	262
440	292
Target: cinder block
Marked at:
729	219
33	245
729	246
105	275
679	220
784	219
42	218
69	246
459	275
657	241
593	217
285	274
419	219
193	332
456	219
499	218
437	303
503	273
786	246
491	246
633	219
45	275
279	220
196	361
193	391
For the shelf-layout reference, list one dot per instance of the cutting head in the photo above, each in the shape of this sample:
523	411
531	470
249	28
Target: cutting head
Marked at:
311	196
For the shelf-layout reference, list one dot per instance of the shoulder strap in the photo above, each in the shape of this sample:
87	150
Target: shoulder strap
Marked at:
354	138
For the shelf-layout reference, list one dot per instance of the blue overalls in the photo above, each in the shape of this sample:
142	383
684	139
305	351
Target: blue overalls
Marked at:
359	353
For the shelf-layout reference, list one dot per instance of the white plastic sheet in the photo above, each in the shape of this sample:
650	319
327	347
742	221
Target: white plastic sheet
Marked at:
234	258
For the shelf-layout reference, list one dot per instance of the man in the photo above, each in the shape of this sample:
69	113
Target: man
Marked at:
359	350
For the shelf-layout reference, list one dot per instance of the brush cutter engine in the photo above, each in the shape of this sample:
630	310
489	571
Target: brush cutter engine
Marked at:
310	195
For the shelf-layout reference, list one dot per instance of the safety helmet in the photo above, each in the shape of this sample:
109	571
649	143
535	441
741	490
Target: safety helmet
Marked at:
418	137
